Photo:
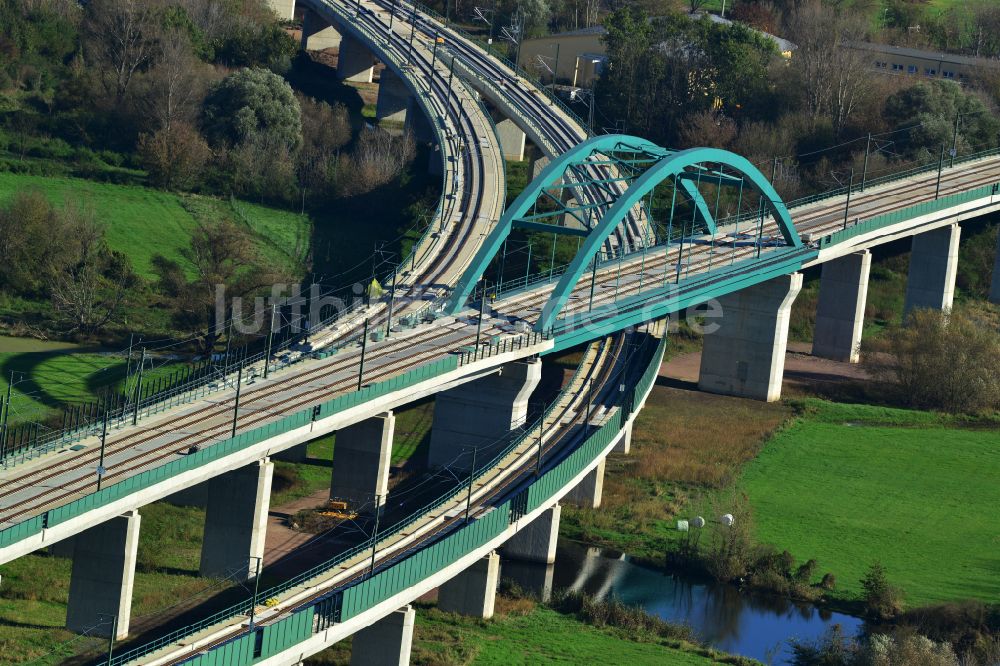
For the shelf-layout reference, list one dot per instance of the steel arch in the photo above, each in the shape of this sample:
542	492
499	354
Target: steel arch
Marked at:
523	203
670	166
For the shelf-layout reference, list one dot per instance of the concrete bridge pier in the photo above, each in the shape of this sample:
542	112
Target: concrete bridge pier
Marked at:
478	414
589	491
317	33
533	578
512	140
361	458
995	284
746	356
285	9
536	542
394	99
933	268
474	591
387	642
236	521
100	586
356	62
840	313
624	443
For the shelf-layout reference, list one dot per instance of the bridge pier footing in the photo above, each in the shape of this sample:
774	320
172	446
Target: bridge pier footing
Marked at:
589	491
746	356
536	542
478	414
236	521
387	642
933	268
317	33
361	458
100	587
355	62
840	313
995	284
473	592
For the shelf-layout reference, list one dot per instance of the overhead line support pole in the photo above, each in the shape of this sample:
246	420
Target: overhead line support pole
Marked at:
847	204
364	347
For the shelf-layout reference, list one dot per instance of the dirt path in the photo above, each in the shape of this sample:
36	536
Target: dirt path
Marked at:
804	373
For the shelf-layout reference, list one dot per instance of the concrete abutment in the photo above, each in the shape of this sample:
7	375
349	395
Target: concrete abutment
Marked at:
361	459
479	413
317	33
356	62
590	490
536	542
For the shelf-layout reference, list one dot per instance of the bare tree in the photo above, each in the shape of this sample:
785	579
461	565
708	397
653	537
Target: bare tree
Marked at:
121	37
377	158
833	75
175	86
175	155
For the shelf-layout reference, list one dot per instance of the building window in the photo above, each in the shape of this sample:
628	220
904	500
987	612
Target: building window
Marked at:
930	72
896	67
911	69
946	74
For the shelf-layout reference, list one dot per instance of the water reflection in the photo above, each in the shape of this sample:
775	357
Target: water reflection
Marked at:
756	626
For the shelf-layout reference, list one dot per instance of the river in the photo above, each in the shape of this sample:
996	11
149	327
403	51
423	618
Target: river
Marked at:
753	625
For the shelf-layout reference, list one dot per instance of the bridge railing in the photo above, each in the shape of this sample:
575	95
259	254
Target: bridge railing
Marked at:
448	26
243	607
925	208
343	604
259	434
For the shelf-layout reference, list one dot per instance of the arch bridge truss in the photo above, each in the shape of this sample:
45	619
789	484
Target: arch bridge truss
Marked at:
710	217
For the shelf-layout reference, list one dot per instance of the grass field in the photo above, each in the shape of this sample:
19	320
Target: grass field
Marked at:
142	222
44	381
36	587
524	633
685	444
852	484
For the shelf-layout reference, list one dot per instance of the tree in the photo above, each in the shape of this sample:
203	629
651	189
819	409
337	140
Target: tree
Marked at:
377	159
174	87
62	254
939	360
226	265
252	103
834	77
932	109
325	130
121	38
175	156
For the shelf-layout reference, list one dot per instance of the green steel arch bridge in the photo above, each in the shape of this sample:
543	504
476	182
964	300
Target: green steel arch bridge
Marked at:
705	224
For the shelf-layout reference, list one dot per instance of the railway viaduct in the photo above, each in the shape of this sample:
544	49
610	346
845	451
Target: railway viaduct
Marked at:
482	363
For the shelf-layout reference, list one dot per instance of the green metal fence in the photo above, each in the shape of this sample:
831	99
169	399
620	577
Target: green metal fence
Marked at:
908	213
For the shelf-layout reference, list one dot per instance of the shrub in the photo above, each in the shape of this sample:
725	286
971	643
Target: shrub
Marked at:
940	360
882	600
